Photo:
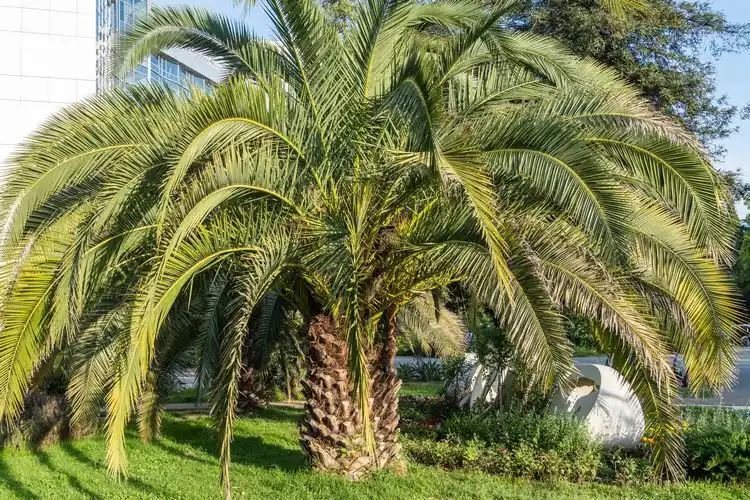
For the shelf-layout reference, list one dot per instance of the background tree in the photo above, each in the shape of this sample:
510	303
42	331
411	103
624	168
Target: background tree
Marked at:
339	12
742	267
665	51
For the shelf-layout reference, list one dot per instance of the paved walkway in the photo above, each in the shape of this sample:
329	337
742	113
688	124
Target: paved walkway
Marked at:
739	394
206	407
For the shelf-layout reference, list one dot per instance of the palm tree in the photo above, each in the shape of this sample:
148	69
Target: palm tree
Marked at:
344	180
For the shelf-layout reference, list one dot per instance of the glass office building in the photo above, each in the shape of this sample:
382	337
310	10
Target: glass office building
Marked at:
175	68
56	52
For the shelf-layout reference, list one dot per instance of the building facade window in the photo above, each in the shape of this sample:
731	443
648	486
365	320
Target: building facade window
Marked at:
114	18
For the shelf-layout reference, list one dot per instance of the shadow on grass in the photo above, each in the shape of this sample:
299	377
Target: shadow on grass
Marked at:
75	478
43	458
80	457
177	430
248	450
17	487
277	414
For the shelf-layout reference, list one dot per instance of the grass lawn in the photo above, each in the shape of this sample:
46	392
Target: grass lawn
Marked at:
183	396
421	388
267	463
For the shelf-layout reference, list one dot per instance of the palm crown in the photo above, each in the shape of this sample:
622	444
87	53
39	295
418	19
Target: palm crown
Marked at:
351	176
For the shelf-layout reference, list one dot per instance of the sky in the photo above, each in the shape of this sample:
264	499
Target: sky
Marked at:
733	79
732	71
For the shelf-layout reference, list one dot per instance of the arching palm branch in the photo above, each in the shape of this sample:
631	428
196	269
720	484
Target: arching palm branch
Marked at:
352	174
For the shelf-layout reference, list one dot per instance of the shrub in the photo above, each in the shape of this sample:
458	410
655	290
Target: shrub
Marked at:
424	371
427	371
698	418
423	415
525	461
543	430
581	333
405	372
719	454
534	446
441	453
453	366
626	467
717	444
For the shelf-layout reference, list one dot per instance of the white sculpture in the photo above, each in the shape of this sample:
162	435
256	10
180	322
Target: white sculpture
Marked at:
606	402
476	382
600	397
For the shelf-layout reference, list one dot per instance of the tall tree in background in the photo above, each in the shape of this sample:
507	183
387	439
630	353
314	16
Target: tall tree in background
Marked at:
742	266
665	48
665	51
339	12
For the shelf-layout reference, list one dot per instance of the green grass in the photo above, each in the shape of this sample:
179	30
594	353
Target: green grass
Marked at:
585	352
267	463
183	396
421	388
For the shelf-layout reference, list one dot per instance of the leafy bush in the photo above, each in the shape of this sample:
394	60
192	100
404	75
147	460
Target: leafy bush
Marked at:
525	461
405	372
626	467
718	444
540	446
697	418
719	454
544	446
424	371
453	366
441	453
490	342
427	371
542	430
423	415
581	334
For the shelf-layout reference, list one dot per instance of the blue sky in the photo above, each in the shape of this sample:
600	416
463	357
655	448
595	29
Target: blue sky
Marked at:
733	70
733	76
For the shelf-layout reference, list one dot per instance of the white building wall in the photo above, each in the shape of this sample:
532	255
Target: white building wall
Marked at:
47	60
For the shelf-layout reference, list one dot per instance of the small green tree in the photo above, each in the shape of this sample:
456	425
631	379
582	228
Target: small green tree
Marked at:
742	266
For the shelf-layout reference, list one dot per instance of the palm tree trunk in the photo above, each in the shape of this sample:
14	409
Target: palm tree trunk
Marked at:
331	432
386	385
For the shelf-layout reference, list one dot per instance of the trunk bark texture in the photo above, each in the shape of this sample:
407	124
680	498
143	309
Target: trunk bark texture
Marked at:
331	433
386	384
332	430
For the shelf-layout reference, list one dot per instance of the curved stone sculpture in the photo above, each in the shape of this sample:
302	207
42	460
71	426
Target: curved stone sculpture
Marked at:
476	383
600	397
606	402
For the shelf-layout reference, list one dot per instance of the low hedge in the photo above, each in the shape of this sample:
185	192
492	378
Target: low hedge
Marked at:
717	442
524	461
547	446
540	446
